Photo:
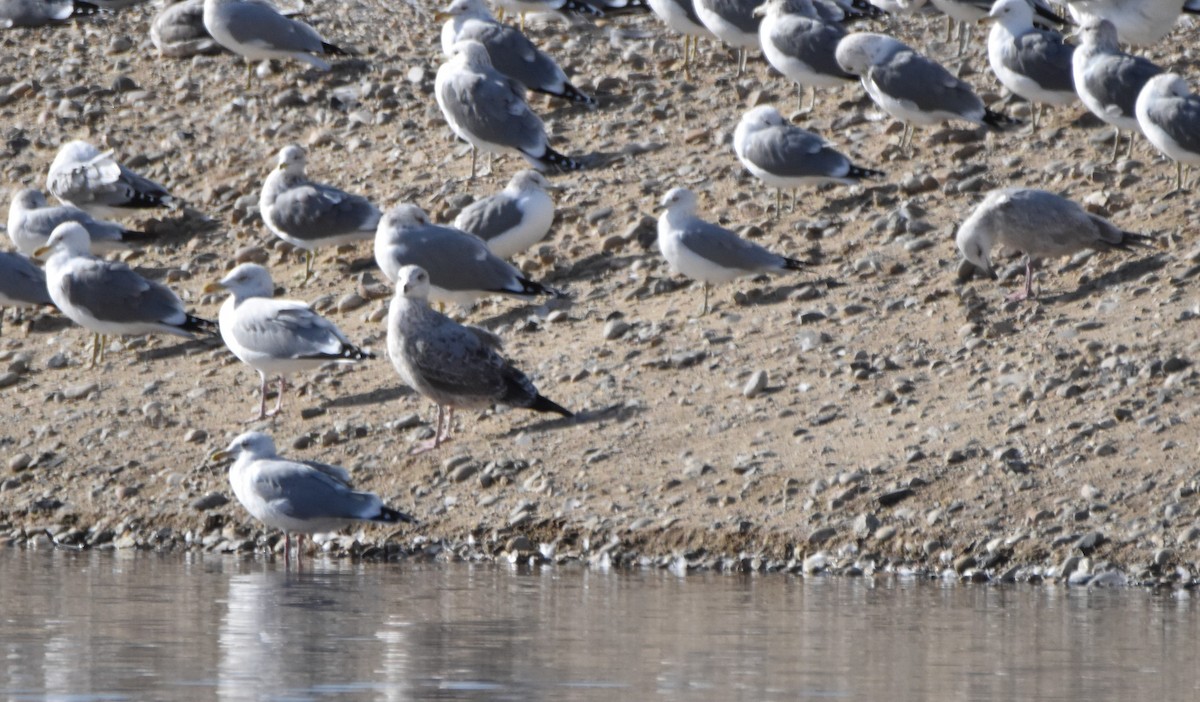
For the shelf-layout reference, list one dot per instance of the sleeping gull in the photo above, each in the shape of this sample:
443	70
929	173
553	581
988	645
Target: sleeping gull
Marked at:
305	497
1033	63
460	266
107	297
1039	224
910	87
733	22
276	337
801	46
783	155
257	31
178	30
22	284
36	13
1137	22
31	221
1108	80
707	252
1169	116
456	366
680	17
309	215
509	50
514	219
487	109
83	176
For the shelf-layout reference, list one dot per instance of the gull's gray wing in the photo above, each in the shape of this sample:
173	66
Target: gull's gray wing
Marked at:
1043	57
736	12
455	260
726	249
260	25
302	492
286	329
338	473
514	55
32	13
454	361
314	212
1179	117
21	281
925	83
43	221
112	292
492	108
1116	79
490	217
789	151
811	41
103	181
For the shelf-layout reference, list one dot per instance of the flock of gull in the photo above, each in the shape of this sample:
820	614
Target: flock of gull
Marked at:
481	89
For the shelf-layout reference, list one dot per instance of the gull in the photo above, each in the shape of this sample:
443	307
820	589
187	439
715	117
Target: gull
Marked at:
707	252
31	221
107	297
1033	63
487	109
22	284
456	366
257	31
1039	224
910	87
302	497
783	155
968	12
83	176
733	22
178	30
1137	22
36	13
1108	80
1169	116
514	219
557	7
801	46
309	215
460	267
510	51
680	17
276	337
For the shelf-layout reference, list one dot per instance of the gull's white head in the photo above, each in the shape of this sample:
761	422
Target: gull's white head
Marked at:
412	282
1013	14
976	237
291	160
527	180
858	52
1166	85
762	117
679	200
28	199
1100	34
248	280
254	444
472	52
776	8
70	237
404	217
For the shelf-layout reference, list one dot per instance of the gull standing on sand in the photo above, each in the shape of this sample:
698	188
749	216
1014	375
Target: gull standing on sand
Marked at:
707	252
37	13
1033	63
276	337
456	366
107	297
801	46
680	17
1137	22
31	220
310	215
783	155
302	497
1109	80
514	219
256	31
910	87
460	267
178	30
733	22
487	109
1169	116
22	284
510	51
1039	224
83	176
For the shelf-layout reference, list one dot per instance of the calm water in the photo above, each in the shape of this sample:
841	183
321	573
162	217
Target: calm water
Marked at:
142	627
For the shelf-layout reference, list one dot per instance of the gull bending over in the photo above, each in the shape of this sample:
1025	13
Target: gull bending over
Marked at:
83	176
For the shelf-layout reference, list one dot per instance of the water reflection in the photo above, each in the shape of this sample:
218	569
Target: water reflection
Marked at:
113	627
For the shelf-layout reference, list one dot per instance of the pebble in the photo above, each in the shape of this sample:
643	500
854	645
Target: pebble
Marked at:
615	329
195	436
78	392
756	384
210	501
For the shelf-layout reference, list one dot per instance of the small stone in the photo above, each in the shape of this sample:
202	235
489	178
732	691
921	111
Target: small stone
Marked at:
77	392
195	436
349	302
463	472
210	501
615	329
756	384
865	525
820	536
8	379
19	462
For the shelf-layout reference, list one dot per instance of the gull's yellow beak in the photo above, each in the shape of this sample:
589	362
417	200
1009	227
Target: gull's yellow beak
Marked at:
442	15
218	456
42	251
213	287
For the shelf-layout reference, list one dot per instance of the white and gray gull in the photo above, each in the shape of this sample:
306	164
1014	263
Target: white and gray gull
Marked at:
488	110
92	180
1137	22
733	22
31	220
37	13
22	283
309	215
455	366
1169	116
1033	63
1040	225
1109	80
276	337
514	219
256	31
801	45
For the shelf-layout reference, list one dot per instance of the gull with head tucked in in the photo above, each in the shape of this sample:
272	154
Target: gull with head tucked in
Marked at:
460	267
708	252
83	176
514	219
303	497
107	297
309	215
910	87
456	366
783	155
1039	224
487	109
276	337
31	220
256	31
1169	116
37	13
